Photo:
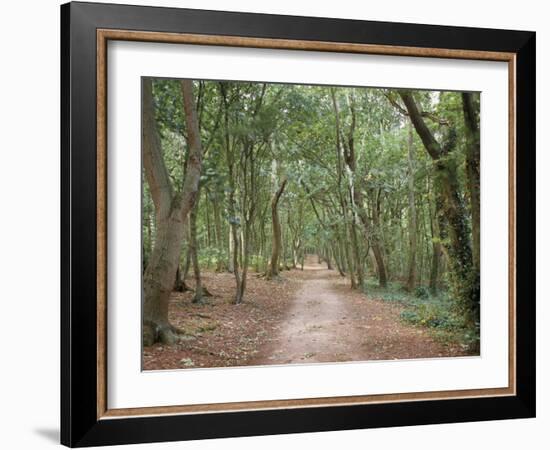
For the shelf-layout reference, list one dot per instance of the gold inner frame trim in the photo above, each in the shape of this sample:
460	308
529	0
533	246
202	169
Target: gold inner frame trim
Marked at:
103	36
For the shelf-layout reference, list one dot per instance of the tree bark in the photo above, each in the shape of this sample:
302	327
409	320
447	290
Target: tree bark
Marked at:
273	270
171	213
437	222
230	254
235	246
179	283
376	243
471	114
411	278
435	267
193	250
328	258
219	238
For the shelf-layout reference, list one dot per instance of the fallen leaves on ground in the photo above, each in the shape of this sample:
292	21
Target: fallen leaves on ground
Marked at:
304	316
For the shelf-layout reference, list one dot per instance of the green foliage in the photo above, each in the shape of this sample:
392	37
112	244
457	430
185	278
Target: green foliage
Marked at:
439	314
434	313
255	135
422	292
210	256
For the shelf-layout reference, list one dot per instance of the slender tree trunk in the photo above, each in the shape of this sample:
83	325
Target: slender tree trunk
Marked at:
193	250
187	263
273	270
377	245
435	267
231	253
220	241
239	291
356	255
341	254
235	244
171	213
282	253
179	284
296	244
411	279
262	257
471	114
380	266
349	260
328	258
338	259
241	287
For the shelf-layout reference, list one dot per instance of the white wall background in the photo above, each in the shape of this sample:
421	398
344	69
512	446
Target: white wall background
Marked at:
29	226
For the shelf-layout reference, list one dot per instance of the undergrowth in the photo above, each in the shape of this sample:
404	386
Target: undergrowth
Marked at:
438	312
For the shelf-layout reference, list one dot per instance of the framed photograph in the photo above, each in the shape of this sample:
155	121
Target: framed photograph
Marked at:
277	224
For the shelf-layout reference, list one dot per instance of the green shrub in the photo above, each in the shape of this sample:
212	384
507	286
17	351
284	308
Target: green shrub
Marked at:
422	292
441	314
433	313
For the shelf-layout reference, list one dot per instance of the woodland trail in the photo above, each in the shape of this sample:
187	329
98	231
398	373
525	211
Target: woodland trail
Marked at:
327	322
309	316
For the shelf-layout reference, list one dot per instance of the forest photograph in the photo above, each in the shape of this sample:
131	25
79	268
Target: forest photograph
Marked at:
301	224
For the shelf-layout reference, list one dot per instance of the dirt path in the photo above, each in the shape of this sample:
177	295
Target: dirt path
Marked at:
305	317
327	322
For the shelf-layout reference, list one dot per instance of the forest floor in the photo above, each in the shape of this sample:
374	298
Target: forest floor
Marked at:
306	316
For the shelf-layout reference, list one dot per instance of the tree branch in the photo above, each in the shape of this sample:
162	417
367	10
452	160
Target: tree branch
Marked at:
429	141
425	114
194	159
153	161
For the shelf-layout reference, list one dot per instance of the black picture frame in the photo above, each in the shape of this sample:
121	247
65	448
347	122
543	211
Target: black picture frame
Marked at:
80	425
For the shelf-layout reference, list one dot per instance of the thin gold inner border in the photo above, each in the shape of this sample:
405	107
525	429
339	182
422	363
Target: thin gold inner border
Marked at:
104	35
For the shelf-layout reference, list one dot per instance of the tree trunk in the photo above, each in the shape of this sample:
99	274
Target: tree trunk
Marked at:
273	270
328	258
356	253
171	213
193	250
411	279
349	261
380	266
437	249
377	245
159	278
241	287
338	259
219	238
239	291
187	264
435	267
179	283
231	253
471	114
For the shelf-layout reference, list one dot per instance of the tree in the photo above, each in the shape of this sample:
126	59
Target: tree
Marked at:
245	141
460	250
171	208
411	279
193	251
471	119
346	152
273	270
437	224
